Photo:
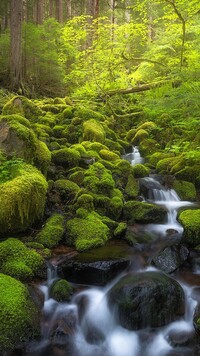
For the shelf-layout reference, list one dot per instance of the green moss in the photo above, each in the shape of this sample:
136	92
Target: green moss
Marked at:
68	112
58	131
148	125
22	200
54	146
59	101
86	114
158	156
80	148
52	232
53	108
120	230
94	146
114	146
22	106
115	208
101	203
132	187
86	233
148	146
185	190
143	212
85	201
61	290
18	315
93	131
42	157
190	219
131	134
67	157
98	179
77	177
40	128
67	189
17	261
140	171
139	137
22	141
108	155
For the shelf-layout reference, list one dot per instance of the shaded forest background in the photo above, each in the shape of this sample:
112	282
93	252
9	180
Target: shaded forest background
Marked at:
91	48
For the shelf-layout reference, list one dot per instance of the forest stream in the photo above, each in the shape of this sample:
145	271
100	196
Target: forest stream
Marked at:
146	309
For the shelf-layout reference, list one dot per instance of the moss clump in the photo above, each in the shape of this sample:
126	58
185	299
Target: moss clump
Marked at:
80	148
132	187
17	261
98	179
93	131
115	208
42	157
18	314
140	171
67	157
94	146
77	177
86	233
148	146
17	139
190	219
101	203
143	212
61	291
108	155
22	106
85	201
130	134
157	156
22	199
120	230
58	131
114	146
68	113
86	114
52	232
67	189
139	137
185	190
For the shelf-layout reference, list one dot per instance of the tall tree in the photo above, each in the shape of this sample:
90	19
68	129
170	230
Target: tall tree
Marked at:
16	15
59	10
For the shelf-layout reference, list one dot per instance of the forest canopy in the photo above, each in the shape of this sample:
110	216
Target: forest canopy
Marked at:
92	47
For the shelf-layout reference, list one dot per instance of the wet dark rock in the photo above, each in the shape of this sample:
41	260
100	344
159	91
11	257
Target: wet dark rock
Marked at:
95	273
180	338
171	258
148	299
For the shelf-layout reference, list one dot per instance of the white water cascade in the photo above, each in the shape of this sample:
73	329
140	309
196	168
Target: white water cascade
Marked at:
92	329
134	157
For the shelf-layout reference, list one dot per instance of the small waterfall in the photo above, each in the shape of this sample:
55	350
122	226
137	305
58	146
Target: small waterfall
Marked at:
169	199
134	157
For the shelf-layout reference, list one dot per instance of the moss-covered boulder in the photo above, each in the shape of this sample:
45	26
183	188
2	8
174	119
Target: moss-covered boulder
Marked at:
108	155
185	190
18	314
85	201
66	189
99	180
22	106
132	187
190	219
66	157
42	158
61	290
18	261
139	137
93	131
115	208
52	232
143	212
22	199
86	233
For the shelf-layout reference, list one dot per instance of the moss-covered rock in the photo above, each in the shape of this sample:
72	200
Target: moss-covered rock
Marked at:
22	106
185	190
85	201
22	199
52	232
190	219
140	171
139	137
108	155
86	113
120	230
18	315
67	157
143	212
42	158
132	187
93	131
86	233
61	290
66	189
115	208
148	146
17	261
68	112
99	180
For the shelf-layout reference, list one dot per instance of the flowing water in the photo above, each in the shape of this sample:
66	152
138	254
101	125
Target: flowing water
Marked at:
134	157
92	329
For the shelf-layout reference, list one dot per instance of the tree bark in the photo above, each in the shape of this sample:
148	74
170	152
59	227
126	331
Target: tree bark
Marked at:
59	10
51	8
16	14
69	9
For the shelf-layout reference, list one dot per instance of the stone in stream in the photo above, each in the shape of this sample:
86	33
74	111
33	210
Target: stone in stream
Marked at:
148	299
171	258
97	266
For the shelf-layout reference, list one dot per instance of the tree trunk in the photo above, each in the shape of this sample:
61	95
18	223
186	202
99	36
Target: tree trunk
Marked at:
16	14
69	9
59	10
51	8
40	11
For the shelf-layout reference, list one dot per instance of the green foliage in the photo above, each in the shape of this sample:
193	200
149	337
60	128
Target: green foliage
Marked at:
18	315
